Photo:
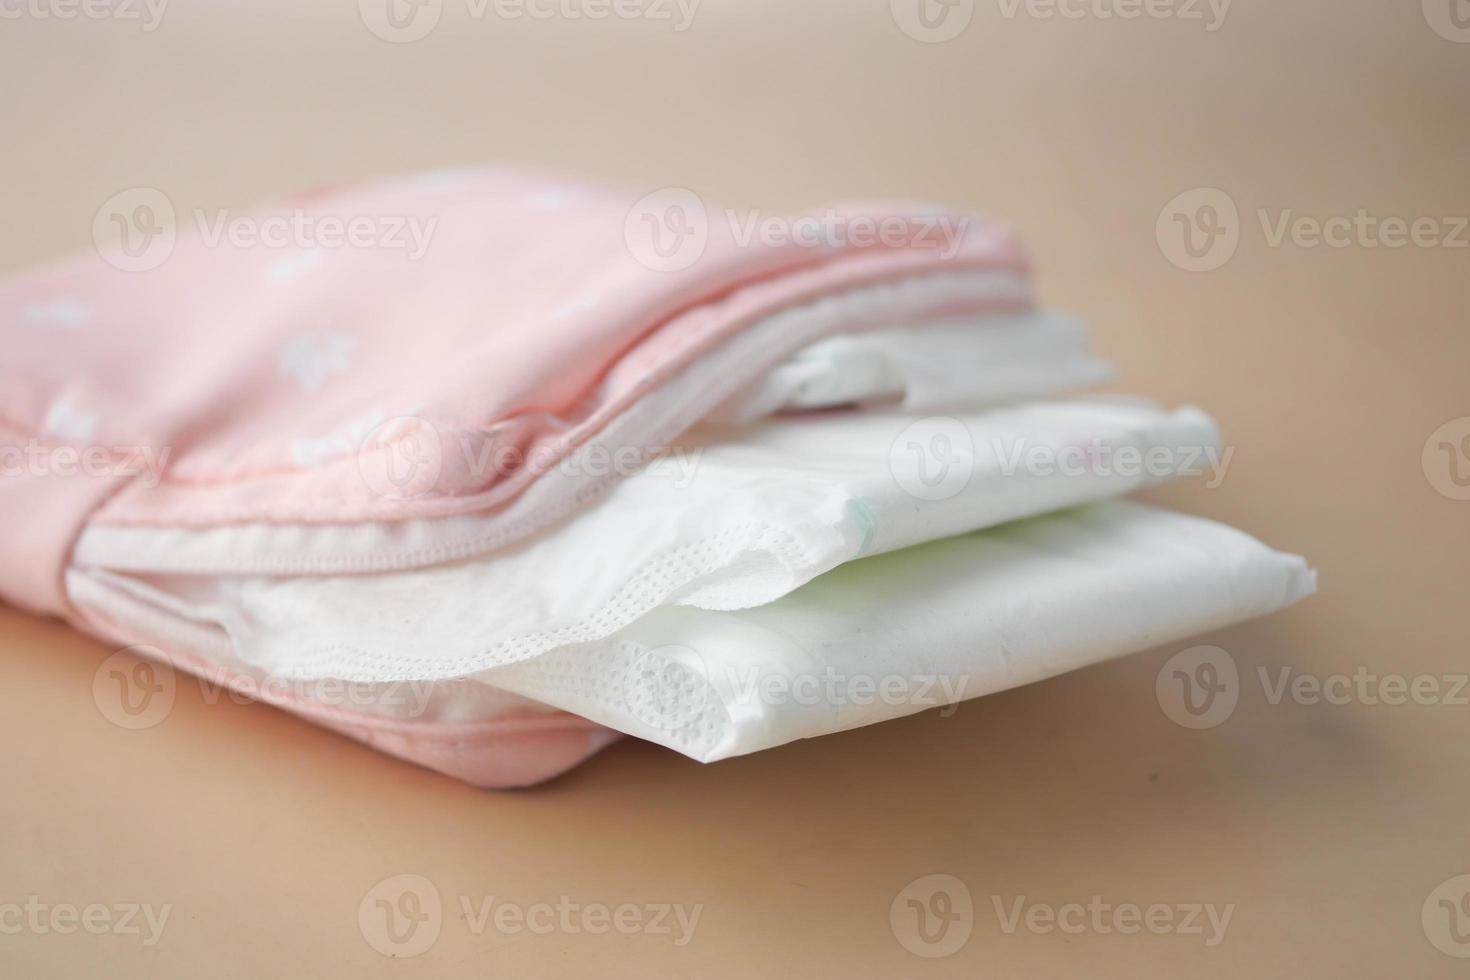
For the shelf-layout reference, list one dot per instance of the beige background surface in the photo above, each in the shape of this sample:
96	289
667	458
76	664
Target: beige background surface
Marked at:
1326	826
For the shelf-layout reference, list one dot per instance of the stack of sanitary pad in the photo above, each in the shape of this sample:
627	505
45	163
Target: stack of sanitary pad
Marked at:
487	507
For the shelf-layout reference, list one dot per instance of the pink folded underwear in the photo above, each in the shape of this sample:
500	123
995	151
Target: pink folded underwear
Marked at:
289	466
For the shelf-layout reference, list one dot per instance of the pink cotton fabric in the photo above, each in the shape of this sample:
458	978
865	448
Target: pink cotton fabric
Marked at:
262	370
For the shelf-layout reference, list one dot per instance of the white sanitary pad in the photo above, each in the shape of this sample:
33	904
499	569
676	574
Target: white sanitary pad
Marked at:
919	628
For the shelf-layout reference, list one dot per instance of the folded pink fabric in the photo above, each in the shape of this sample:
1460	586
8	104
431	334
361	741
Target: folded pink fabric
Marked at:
350	386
